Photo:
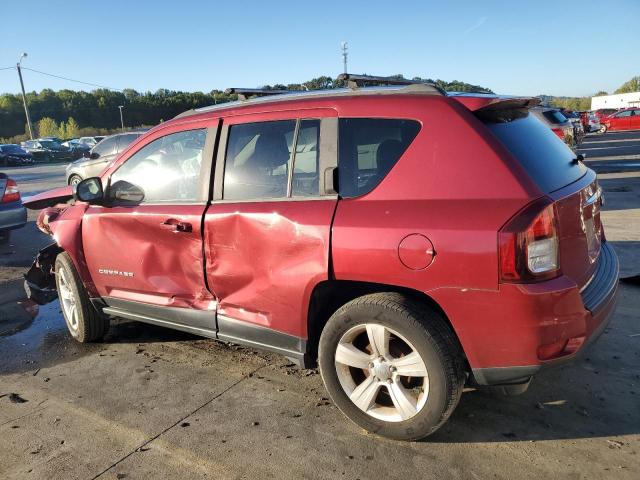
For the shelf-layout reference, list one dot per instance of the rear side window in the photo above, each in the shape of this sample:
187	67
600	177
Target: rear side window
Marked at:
368	150
125	140
546	158
554	116
106	147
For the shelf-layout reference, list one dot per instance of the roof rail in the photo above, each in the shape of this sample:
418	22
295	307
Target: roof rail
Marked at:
355	81
245	93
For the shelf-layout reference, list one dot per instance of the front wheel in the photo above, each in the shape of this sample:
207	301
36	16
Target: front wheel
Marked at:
391	365
84	322
74	180
603	129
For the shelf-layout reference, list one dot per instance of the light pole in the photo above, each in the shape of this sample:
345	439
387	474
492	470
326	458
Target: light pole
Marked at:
345	53
24	97
121	118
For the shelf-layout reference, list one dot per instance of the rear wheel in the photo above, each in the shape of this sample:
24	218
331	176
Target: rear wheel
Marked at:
391	365
84	322
74	179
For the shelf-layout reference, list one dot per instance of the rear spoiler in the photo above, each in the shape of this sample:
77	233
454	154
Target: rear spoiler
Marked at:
475	102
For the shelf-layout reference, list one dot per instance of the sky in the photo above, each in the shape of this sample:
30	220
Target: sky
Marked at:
566	47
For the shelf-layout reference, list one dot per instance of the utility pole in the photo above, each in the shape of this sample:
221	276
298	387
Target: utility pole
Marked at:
345	53
121	117
24	97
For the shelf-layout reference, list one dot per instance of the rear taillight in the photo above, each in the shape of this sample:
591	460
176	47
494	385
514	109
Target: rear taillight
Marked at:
559	132
528	245
11	192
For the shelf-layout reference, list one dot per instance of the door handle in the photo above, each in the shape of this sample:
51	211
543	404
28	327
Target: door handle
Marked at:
176	225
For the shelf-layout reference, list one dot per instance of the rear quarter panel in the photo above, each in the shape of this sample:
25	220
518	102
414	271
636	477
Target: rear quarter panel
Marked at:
455	184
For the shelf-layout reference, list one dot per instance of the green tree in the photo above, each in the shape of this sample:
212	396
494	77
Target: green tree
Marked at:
632	85
68	129
47	127
601	93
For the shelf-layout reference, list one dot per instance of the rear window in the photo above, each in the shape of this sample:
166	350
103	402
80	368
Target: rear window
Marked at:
554	116
545	157
369	148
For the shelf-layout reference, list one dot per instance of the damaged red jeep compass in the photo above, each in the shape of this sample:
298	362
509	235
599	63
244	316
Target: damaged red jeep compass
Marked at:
405	240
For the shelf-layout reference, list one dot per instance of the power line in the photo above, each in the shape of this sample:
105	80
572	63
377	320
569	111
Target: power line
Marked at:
8	68
71	79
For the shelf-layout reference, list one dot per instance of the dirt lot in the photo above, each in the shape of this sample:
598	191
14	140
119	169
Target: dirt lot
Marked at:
153	403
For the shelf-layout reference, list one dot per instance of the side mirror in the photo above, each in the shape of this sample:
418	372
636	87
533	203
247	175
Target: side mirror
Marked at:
94	155
89	190
126	193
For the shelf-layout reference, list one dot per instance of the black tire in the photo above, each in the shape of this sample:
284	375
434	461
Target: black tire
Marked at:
74	177
90	325
5	236
430	336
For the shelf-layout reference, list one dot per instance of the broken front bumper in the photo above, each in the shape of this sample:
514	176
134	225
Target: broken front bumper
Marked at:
40	280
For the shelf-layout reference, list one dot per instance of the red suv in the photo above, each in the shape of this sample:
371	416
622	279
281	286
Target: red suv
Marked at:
408	241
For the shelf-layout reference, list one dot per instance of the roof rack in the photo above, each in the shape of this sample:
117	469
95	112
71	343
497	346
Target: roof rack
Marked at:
245	93
355	81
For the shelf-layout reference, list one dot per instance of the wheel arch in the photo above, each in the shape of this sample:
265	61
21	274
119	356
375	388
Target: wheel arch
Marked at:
329	295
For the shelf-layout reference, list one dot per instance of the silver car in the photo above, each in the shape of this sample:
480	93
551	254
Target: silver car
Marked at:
99	157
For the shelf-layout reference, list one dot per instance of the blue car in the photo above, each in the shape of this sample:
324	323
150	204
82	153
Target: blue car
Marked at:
12	213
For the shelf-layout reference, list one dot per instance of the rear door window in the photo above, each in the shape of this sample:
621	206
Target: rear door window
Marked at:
554	116
546	158
368	150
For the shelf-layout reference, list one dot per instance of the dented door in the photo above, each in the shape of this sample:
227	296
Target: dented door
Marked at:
264	256
146	256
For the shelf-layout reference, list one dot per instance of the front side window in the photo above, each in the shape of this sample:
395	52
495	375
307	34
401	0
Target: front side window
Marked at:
626	113
368	150
166	170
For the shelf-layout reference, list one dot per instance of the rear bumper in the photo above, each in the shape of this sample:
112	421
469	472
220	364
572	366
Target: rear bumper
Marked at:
543	325
12	215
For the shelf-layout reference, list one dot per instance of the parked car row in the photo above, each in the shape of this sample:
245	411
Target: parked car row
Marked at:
48	149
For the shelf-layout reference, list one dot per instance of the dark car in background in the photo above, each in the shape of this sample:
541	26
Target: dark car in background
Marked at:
47	150
12	155
12	213
99	157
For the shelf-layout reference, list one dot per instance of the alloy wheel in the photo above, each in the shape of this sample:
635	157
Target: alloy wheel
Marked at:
381	372
67	300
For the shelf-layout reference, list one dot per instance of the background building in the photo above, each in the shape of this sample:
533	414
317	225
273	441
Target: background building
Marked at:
621	100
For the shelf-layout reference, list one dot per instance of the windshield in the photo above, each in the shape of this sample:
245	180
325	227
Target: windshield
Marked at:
546	158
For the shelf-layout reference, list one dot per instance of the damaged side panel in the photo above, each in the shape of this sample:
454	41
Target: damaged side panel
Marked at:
264	259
